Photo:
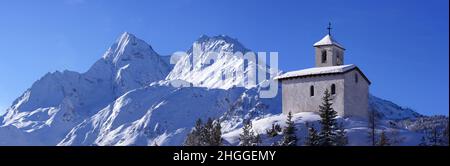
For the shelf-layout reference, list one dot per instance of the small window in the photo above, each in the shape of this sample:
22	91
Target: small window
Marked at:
356	78
311	91
333	89
324	56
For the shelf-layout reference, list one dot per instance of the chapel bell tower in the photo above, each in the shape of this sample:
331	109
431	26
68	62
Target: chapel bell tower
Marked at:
328	51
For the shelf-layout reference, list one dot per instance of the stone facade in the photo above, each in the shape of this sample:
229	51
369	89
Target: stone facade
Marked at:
296	95
350	92
334	56
356	95
349	100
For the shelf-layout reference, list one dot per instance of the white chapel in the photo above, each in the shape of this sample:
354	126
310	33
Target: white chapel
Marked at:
302	90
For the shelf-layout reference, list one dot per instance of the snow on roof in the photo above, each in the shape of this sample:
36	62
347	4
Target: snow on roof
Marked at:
328	40
317	71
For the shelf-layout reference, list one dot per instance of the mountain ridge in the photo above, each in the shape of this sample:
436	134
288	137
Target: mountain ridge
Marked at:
126	98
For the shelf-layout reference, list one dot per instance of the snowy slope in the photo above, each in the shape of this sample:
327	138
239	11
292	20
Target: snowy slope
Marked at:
140	119
55	104
356	130
389	110
126	98
164	117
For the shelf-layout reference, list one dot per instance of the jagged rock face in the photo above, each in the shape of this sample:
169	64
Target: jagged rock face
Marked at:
133	64
203	68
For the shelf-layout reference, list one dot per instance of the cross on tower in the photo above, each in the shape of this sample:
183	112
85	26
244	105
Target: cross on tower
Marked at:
329	28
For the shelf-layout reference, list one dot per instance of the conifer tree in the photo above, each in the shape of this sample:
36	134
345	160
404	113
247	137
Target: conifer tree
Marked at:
245	137
194	138
327	135
313	137
248	136
216	134
289	137
208	134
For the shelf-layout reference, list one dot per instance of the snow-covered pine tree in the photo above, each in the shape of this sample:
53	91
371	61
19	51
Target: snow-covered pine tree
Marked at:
384	140
216	134
208	134
327	135
313	138
245	137
289	137
194	138
248	136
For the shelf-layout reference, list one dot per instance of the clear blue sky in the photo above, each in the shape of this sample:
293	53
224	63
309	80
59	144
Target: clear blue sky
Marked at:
401	45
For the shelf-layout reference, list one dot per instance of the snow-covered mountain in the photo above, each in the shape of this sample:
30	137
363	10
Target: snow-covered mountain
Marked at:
202	68
126	98
389	110
58	101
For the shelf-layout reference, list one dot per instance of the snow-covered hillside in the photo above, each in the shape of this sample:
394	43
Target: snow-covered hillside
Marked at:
149	115
388	110
357	130
127	98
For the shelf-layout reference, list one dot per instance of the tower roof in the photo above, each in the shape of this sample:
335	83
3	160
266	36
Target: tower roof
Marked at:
328	40
316	71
